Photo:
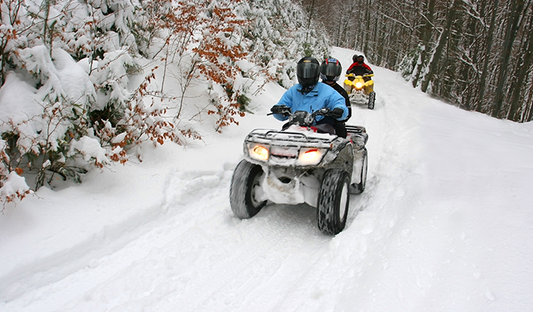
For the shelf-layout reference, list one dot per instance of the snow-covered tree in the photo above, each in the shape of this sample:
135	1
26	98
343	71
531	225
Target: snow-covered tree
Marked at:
280	35
81	83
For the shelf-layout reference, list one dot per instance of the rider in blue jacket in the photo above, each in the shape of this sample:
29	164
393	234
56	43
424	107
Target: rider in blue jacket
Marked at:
309	95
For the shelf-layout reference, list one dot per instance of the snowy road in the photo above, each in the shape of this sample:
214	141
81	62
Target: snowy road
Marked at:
426	235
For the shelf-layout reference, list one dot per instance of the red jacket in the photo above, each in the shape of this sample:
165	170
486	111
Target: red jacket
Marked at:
359	69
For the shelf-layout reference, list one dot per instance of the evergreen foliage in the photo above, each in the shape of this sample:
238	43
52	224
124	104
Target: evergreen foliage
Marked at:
92	76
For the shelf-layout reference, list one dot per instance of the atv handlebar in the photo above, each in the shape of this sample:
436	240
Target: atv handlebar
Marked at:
352	75
281	110
302	118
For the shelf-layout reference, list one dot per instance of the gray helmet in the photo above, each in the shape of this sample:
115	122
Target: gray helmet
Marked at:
308	71
330	70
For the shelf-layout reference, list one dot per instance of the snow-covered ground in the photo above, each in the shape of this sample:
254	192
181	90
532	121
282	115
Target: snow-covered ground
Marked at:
445	224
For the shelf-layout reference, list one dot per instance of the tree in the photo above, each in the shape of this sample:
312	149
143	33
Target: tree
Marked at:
424	34
441	43
515	11
523	69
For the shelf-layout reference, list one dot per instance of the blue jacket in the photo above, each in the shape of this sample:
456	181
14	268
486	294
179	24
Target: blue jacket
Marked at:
322	96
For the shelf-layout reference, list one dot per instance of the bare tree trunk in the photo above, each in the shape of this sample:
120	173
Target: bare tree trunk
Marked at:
435	59
488	50
528	116
366	21
425	37
515	8
524	65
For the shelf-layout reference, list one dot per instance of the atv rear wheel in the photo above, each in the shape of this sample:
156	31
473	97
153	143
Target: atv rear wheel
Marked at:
245	190
371	100
358	188
333	201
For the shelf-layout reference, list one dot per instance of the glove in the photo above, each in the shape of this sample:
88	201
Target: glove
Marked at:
336	113
322	112
280	109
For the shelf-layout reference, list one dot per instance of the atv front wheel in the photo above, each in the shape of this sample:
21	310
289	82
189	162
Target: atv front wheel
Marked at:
245	190
358	188
333	201
371	100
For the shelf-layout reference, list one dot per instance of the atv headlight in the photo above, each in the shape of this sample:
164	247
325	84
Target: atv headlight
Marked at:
358	85
258	152
310	156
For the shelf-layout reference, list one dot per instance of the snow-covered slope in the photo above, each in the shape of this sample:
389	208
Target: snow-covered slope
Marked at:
444	225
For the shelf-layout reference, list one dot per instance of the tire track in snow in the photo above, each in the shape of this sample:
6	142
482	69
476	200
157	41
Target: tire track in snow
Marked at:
218	241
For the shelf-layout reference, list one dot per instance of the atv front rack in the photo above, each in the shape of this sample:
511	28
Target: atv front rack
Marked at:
287	138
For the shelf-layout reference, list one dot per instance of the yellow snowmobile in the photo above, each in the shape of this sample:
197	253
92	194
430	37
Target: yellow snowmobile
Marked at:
361	92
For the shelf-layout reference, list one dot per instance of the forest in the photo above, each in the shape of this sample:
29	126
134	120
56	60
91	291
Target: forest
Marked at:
80	79
474	54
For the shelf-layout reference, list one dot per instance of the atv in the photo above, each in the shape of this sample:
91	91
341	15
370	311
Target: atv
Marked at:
301	164
360	92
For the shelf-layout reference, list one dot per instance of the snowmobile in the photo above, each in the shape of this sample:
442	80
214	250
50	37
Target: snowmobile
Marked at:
361	92
301	164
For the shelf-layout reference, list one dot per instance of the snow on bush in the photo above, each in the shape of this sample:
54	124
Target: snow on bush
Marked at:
78	78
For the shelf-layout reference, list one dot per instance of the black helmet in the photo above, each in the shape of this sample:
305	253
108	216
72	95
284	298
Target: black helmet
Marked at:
360	59
356	58
308	71
331	69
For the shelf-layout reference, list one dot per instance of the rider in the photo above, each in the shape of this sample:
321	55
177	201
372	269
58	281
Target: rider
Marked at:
359	67
309	95
330	71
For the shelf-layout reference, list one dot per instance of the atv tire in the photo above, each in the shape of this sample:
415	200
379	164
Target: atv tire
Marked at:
333	201
371	100
244	186
358	188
